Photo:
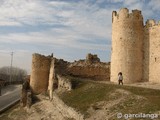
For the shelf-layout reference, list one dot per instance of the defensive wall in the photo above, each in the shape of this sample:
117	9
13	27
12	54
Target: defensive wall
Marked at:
153	37
40	73
90	68
49	73
135	47
94	71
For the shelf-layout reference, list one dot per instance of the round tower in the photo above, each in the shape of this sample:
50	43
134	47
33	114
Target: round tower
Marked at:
40	73
127	45
152	36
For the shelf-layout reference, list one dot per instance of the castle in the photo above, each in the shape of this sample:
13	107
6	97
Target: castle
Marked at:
49	73
135	47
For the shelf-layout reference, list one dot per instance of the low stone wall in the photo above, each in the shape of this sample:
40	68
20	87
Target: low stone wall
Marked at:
66	111
64	83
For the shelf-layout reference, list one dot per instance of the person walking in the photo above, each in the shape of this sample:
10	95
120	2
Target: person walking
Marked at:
120	78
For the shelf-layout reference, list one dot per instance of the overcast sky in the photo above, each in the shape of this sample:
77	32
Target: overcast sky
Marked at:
68	28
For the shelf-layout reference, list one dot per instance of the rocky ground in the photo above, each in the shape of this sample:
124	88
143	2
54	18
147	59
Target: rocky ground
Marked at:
43	109
119	99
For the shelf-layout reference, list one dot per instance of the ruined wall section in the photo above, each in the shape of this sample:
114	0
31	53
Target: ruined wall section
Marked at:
40	73
153	30
51	74
92	58
52	78
64	83
127	45
96	71
57	75
61	66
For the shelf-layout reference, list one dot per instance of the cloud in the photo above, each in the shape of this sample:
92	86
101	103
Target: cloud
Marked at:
134	4
83	21
53	37
154	4
30	12
63	25
10	23
116	1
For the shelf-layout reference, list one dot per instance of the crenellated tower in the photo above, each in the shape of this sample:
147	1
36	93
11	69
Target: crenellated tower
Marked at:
151	51
127	45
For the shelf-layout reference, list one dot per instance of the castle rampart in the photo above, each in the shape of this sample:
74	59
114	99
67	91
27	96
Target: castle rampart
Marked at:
146	54
90	68
52	78
127	42
135	47
40	73
124	14
153	30
49	73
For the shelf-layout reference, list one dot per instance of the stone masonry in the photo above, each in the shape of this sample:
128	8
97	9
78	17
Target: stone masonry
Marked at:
90	68
40	73
49	73
135	47
153	41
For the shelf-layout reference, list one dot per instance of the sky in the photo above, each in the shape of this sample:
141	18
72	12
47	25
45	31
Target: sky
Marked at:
67	28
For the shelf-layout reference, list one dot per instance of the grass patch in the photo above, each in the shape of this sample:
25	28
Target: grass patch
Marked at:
88	93
85	94
152	98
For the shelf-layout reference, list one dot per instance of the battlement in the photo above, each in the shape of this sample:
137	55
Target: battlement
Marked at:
135	47
151	23
124	14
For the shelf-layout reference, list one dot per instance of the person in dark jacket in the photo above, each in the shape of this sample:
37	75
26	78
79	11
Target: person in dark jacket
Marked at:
120	78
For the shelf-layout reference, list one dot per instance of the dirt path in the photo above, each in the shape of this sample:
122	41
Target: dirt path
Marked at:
139	84
101	111
146	85
106	110
44	110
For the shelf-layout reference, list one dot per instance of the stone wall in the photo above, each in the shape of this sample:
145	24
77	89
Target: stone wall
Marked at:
64	83
61	66
127	43
52	78
154	47
51	74
56	76
40	73
67	111
96	71
48	73
146	54
135	47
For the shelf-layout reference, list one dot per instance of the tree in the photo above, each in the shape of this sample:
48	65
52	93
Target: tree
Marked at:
13	74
